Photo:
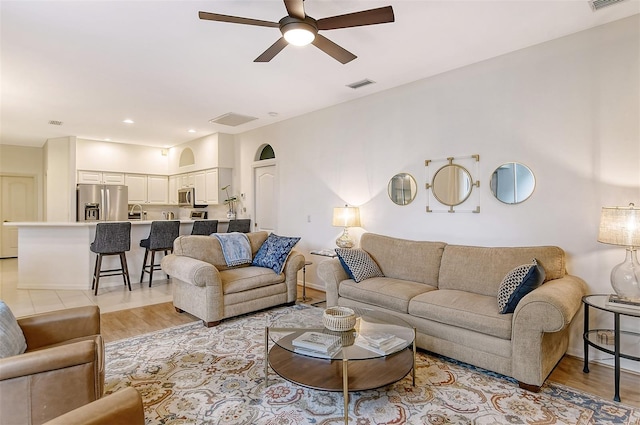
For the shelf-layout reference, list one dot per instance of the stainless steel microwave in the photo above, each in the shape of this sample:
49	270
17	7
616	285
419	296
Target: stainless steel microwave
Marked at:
186	197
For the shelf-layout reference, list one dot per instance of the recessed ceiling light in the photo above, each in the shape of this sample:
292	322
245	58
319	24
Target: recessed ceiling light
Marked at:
273	114
128	121
107	140
192	130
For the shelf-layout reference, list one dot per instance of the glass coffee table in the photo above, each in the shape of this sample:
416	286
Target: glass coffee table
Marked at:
353	367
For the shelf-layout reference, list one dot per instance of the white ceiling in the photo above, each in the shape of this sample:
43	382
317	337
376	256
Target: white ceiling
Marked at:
92	64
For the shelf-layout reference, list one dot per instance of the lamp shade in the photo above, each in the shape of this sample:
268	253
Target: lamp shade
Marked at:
346	216
620	226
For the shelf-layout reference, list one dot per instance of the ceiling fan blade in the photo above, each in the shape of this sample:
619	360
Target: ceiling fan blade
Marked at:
295	8
236	20
272	51
380	15
332	49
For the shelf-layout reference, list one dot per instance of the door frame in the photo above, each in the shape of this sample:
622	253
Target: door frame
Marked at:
254	168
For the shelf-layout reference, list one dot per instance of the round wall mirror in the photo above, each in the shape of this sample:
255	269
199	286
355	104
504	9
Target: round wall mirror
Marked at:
402	189
512	183
452	185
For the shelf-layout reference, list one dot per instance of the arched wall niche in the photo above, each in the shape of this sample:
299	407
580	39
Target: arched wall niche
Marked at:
186	158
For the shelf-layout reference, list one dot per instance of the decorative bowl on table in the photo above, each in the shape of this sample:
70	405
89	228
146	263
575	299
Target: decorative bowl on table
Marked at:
339	319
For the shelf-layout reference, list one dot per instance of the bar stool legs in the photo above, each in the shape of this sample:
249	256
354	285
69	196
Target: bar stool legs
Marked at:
149	268
98	273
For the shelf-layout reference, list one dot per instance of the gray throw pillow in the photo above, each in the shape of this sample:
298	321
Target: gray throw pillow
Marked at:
518	283
358	264
12	340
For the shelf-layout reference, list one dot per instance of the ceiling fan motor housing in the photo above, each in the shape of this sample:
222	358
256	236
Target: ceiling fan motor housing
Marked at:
289	23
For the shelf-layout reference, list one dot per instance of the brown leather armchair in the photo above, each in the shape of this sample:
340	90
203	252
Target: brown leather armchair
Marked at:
123	407
62	368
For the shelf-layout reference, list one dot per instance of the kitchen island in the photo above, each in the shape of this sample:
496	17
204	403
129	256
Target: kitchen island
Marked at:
56	255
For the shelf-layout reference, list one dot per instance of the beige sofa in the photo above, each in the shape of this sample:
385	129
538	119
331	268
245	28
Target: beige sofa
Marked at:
448	292
204	286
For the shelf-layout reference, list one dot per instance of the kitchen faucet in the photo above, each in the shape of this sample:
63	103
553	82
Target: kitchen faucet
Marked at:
133	207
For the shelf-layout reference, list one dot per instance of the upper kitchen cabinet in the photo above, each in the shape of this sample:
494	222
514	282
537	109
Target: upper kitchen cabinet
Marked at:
212	151
100	177
145	189
174	184
216	179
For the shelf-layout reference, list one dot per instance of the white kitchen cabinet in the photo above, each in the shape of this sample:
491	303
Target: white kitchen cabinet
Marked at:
100	177
216	179
186	180
173	190
137	184
199	183
157	190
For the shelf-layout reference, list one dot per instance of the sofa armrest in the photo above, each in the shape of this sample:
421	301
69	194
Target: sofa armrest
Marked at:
50	328
550	307
332	273
191	270
122	407
295	262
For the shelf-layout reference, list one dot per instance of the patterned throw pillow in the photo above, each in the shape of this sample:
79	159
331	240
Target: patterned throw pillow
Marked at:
274	252
358	264
12	340
518	283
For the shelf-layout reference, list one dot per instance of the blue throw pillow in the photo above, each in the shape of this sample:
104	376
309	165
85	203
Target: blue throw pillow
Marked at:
518	283
358	264
274	252
12	340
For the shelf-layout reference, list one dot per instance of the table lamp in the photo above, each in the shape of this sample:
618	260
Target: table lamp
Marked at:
621	226
346	217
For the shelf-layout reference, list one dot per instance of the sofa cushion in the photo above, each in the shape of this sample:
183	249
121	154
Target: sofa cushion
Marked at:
417	261
392	294
464	310
12	340
480	269
518	283
274	252
246	278
358	264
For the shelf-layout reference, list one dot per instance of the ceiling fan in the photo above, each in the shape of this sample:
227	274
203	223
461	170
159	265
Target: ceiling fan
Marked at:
299	29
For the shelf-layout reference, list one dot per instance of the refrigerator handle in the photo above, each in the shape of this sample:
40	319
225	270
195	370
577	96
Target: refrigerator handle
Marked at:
107	201
102	208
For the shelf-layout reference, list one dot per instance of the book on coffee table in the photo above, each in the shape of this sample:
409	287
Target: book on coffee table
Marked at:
317	342
388	347
319	354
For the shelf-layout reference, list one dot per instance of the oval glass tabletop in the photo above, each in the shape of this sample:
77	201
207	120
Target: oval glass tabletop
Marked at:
375	334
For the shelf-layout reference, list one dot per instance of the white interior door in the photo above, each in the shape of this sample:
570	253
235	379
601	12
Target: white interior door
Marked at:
17	197
266	202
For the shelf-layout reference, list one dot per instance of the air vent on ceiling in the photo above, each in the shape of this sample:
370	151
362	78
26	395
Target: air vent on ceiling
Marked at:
360	83
599	4
53	122
232	119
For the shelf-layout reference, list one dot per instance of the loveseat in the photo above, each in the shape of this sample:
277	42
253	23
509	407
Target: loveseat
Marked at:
204	286
449	294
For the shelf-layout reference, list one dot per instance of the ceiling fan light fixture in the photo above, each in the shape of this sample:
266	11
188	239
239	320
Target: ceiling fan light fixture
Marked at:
299	33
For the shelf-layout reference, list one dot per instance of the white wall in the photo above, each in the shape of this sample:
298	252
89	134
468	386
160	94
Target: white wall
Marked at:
212	151
59	179
120	157
569	109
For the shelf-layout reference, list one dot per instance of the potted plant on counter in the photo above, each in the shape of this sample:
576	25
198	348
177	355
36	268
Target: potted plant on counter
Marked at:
231	201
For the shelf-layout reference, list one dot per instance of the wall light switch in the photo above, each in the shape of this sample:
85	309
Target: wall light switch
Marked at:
309	219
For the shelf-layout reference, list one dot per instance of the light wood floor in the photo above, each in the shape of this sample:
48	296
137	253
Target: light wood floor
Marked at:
599	381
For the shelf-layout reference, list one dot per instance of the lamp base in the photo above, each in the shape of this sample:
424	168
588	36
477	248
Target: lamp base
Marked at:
344	241
625	277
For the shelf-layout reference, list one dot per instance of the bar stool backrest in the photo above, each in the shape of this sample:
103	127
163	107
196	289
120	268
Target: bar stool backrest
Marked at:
112	238
242	225
204	227
163	233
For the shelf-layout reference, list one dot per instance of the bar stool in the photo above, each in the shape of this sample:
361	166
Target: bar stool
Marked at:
204	227
242	225
161	237
111	239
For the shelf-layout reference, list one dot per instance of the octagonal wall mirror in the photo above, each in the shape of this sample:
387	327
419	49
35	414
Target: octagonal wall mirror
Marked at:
512	183
402	189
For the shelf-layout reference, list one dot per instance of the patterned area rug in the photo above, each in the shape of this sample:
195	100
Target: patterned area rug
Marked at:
197	375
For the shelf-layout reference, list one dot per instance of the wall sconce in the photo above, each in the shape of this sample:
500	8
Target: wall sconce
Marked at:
346	217
621	226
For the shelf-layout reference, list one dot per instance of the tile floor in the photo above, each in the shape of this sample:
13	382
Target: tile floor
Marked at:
23	302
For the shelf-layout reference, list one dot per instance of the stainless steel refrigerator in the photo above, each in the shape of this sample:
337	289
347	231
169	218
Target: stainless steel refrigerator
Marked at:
100	202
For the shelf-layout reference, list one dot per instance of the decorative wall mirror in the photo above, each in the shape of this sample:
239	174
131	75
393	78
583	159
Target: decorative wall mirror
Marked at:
512	183
402	189
452	184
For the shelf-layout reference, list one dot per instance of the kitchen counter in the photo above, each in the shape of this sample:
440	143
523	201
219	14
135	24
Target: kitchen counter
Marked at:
56	255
